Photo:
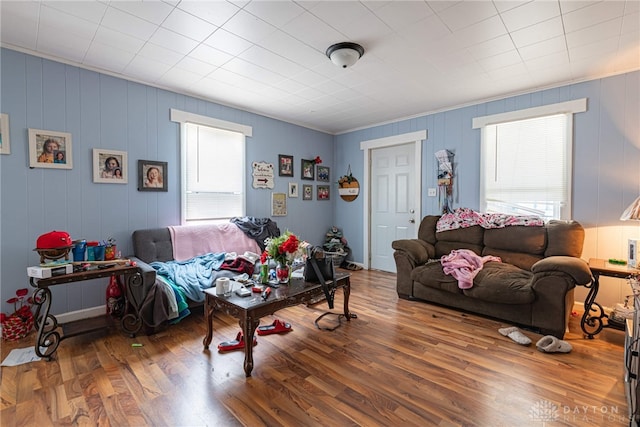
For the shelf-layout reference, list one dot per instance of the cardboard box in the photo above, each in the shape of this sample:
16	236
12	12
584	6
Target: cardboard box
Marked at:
46	272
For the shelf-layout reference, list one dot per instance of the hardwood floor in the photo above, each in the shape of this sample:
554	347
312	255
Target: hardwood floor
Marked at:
399	363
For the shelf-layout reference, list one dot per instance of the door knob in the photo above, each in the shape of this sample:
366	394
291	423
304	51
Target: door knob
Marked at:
412	221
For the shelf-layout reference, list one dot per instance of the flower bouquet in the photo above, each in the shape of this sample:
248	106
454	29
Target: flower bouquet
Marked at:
19	324
283	249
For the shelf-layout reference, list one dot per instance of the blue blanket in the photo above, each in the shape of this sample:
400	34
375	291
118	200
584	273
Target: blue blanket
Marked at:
193	275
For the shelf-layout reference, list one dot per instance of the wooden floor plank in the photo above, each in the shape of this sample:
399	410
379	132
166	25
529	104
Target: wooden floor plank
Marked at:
399	363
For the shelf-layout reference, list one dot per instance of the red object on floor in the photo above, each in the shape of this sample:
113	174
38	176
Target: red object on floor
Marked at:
237	344
278	327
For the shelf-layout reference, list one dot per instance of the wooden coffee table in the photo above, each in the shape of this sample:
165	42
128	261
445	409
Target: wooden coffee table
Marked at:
249	310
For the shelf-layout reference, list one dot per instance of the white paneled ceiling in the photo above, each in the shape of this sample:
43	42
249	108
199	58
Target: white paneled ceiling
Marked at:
269	57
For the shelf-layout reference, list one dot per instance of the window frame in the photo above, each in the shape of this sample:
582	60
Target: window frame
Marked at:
184	118
568	108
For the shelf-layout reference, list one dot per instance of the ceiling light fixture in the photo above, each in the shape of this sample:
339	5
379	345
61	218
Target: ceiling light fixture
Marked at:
345	54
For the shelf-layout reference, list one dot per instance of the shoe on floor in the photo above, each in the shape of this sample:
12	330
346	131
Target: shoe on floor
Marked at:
237	344
551	344
277	327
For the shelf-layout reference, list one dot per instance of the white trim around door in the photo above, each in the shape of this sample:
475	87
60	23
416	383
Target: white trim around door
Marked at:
366	146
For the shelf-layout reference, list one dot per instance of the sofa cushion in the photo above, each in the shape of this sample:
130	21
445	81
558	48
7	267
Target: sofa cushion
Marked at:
565	238
431	275
461	238
502	283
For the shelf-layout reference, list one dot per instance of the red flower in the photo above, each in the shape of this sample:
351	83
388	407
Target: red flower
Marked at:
25	304
317	160
263	257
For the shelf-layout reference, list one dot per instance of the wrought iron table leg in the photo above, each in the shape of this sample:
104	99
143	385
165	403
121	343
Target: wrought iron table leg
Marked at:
48	337
131	320
592	323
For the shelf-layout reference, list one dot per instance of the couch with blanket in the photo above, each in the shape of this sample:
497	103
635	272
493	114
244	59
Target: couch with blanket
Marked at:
179	262
520	273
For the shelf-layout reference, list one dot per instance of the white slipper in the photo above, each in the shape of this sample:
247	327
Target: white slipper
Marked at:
551	344
515	334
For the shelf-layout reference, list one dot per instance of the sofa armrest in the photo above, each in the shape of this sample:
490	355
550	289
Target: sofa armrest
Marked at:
418	251
577	268
148	274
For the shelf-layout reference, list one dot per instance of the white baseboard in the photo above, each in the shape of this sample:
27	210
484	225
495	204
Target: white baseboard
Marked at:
85	313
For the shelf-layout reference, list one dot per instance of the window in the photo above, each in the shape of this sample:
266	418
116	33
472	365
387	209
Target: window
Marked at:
213	168
526	161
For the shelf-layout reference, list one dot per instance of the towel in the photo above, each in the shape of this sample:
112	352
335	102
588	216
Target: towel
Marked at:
464	265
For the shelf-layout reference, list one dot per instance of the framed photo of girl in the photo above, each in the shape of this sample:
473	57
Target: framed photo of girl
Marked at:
50	149
307	170
152	175
285	165
5	146
110	166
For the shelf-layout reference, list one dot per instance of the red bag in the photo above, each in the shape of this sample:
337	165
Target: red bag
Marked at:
115	298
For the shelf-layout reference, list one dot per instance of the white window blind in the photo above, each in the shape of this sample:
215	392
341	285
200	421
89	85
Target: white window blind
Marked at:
526	167
214	170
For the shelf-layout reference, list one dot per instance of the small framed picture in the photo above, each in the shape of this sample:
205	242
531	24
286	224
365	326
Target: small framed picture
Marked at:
278	204
285	165
5	145
50	149
323	192
110	166
307	192
322	173
152	176
307	169
293	189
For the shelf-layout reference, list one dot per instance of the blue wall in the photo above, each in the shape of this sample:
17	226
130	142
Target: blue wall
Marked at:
107	112
110	113
606	163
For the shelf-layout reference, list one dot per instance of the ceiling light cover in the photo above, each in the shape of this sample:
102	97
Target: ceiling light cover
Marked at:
632	212
345	54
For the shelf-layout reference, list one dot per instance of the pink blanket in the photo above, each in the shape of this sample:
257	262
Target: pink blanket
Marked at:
464	265
193	240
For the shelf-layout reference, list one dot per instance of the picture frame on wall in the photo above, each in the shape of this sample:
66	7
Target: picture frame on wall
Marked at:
152	175
307	192
324	192
278	204
50	149
110	166
322	173
307	170
285	165
5	143
293	189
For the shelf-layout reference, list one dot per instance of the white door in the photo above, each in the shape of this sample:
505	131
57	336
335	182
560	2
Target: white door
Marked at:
393	201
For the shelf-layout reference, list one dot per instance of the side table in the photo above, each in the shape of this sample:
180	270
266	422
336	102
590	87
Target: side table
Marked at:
592	319
49	337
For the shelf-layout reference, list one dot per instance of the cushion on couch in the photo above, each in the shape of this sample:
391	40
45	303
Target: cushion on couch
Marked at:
564	238
502	283
432	274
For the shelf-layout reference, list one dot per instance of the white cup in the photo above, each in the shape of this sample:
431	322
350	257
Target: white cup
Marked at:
223	287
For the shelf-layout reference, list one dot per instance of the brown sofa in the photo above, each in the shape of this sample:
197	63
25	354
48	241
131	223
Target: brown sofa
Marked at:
532	287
